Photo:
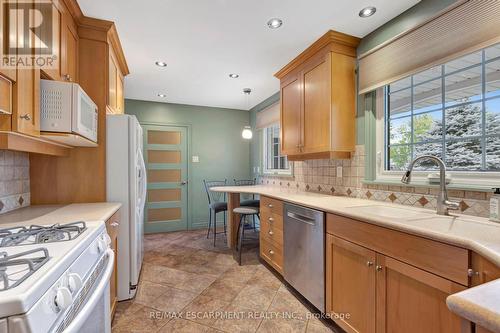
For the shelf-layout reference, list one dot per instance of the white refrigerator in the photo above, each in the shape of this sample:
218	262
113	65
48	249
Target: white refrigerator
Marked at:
126	183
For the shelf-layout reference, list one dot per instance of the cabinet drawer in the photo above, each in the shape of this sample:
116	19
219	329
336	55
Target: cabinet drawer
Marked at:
112	225
445	260
273	219
271	232
272	254
271	205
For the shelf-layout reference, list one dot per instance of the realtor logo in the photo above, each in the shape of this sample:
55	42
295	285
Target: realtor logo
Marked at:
28	34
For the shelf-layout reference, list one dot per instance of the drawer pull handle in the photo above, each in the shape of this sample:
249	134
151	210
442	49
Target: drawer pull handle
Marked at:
369	263
271	252
271	233
378	268
115	224
270	205
25	117
271	219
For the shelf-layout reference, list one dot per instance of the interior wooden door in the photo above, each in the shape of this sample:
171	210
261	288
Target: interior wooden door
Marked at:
411	300
316	77
165	154
350	285
291	114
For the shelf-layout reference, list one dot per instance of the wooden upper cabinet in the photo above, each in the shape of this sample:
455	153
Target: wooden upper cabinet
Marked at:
69	49
290	115
116	73
350	285
412	300
323	93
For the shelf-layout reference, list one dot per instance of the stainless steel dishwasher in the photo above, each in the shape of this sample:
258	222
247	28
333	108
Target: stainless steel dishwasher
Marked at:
304	252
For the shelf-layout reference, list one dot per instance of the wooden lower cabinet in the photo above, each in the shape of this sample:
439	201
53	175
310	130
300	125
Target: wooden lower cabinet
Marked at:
483	270
479	329
350	285
112	228
271	233
368	291
412	300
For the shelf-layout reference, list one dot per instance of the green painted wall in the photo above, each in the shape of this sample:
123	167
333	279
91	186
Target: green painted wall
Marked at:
215	136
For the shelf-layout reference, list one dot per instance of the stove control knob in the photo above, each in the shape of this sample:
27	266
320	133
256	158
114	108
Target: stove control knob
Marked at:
62	299
74	282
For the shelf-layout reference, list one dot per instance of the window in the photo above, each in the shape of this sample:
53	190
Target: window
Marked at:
274	162
451	111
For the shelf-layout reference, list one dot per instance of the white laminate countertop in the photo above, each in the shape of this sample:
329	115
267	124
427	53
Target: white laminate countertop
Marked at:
480	304
51	214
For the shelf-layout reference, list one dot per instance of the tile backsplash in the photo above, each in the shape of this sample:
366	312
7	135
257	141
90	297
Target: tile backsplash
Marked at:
321	176
14	180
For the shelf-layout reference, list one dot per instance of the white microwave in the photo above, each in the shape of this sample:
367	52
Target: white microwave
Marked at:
66	108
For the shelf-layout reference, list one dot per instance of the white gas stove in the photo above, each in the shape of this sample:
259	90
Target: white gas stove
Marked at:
53	278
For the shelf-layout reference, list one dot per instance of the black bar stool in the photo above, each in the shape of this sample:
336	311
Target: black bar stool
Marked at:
248	202
244	212
216	204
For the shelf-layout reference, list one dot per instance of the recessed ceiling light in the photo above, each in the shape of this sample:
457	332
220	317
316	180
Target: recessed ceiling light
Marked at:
161	64
274	23
367	11
234	76
162	95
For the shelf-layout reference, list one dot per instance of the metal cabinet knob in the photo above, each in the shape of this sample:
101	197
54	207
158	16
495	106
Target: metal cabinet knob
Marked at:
25	116
270	206
378	268
369	263
271	252
115	224
471	272
67	77
271	219
271	233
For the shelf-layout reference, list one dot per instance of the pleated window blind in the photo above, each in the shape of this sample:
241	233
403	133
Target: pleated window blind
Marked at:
470	26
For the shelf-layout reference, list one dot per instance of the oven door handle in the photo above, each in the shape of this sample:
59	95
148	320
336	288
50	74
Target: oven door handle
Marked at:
89	306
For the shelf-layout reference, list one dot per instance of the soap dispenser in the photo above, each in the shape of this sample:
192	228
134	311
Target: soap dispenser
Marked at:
495	206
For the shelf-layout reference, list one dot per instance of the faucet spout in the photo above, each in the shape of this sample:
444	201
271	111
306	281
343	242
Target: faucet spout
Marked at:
443	204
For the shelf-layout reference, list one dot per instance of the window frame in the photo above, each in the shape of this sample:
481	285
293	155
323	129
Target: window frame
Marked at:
265	145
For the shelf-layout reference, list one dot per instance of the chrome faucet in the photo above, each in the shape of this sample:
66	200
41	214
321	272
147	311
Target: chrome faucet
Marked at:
443	204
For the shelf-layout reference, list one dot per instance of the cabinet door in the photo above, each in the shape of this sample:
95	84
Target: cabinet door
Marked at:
291	114
69	50
120	107
54	34
112	76
5	96
316	77
411	300
7	29
350	285
483	270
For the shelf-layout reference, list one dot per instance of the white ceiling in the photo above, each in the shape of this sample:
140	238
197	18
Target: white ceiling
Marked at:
204	40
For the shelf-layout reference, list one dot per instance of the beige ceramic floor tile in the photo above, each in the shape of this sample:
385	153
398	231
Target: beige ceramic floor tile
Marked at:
204	310
185	326
148	292
238	320
173	300
317	327
225	290
255	298
282	325
285	302
145	320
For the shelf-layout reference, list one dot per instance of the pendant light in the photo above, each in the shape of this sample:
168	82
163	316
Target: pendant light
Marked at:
247	130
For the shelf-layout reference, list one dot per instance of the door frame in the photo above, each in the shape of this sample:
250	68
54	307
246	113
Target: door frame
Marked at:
189	161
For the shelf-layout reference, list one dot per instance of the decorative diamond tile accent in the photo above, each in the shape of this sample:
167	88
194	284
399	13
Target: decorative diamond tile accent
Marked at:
463	206
307	187
21	200
349	192
297	185
281	183
423	201
288	184
319	188
392	197
332	190
1	205
369	194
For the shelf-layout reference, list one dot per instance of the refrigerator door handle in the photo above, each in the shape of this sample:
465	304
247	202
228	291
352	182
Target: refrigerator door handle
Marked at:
144	183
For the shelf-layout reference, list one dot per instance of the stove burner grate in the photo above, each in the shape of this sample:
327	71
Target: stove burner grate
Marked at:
26	262
35	234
